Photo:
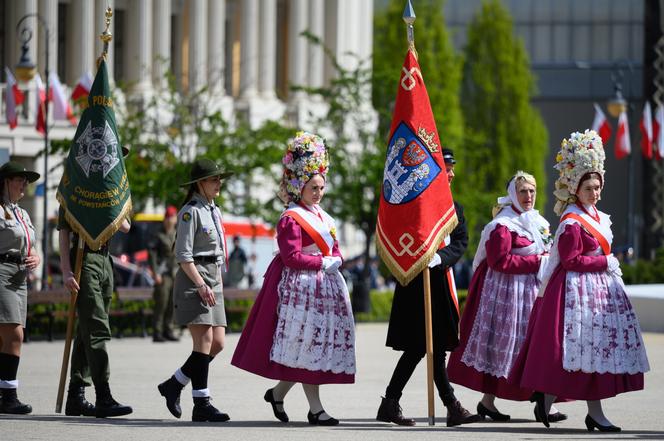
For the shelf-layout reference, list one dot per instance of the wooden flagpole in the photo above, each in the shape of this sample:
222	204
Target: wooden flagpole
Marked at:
428	326
70	324
409	19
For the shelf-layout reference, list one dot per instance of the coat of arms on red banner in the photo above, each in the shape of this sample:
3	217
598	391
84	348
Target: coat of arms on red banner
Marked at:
416	210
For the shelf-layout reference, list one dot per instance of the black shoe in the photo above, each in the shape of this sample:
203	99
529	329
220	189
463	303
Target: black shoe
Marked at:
169	336
591	424
11	404
279	414
390	412
106	406
77	405
170	389
157	337
314	419
553	417
204	411
483	412
540	413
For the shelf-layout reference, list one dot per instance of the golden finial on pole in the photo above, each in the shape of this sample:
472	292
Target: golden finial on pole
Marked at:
106	36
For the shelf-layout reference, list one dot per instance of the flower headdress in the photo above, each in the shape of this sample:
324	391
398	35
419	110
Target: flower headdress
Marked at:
579	155
305	157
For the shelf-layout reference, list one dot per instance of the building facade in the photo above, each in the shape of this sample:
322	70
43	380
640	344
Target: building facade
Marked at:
247	53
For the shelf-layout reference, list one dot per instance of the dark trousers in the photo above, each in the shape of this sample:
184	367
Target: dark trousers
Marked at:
89	360
163	305
405	368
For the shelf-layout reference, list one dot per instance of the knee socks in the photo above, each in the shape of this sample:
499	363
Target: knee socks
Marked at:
195	368
8	370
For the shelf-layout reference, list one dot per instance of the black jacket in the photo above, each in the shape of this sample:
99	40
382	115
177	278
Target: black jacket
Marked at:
406	328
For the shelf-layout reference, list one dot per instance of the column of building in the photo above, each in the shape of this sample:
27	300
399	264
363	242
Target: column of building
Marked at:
161	42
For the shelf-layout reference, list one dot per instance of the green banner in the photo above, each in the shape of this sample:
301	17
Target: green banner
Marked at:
94	190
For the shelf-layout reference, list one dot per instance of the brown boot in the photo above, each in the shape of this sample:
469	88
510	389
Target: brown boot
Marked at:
390	412
457	415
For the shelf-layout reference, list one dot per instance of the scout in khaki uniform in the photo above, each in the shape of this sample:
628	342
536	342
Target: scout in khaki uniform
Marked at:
17	259
163	265
89	360
200	250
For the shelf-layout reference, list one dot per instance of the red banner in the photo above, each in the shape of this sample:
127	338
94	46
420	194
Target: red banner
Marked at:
416	210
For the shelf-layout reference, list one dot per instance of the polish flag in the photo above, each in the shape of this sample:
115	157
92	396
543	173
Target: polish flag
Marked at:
658	133
623	145
82	89
646	131
61	108
601	125
14	98
40	120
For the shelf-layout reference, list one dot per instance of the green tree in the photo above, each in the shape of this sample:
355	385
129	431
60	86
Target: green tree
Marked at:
441	67
357	155
160	131
504	132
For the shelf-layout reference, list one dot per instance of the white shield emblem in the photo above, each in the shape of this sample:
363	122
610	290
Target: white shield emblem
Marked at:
97	149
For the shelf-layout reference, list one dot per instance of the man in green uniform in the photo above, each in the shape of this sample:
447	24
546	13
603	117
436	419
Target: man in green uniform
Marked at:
89	360
163	265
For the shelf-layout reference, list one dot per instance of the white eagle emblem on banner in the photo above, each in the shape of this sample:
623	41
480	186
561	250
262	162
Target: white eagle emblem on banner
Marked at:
97	149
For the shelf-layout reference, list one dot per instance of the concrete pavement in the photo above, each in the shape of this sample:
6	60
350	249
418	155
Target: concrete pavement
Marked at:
138	365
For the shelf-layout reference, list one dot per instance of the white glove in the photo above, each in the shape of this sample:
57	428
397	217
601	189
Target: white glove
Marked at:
613	265
435	260
331	263
544	260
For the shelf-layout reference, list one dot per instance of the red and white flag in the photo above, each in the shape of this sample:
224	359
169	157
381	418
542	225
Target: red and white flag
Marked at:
40	120
82	89
61	108
646	131
416	211
601	125
13	98
623	145
658	133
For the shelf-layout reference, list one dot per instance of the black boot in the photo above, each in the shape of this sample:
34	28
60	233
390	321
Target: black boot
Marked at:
457	414
204	411
11	404
390	412
170	389
77	405
106	406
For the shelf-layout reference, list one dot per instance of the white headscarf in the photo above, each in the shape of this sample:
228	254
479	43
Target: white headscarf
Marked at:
527	223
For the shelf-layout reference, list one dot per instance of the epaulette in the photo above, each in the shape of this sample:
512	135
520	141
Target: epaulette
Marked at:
192	203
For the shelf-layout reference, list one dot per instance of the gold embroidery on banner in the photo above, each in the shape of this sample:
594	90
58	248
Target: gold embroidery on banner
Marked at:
408	82
428	139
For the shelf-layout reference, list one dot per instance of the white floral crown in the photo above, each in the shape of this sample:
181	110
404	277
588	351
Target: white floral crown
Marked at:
305	157
579	155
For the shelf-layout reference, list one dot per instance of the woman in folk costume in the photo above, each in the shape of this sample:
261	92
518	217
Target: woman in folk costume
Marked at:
301	329
508	264
584	341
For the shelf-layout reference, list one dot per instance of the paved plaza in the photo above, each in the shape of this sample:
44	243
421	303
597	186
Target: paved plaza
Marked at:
138	365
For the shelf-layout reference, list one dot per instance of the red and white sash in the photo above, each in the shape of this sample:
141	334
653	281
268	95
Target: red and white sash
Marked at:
317	225
593	227
450	279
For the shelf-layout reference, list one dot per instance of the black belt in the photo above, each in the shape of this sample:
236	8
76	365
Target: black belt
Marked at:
11	258
206	259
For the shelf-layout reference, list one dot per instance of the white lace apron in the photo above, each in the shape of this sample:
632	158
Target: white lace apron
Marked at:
602	333
315	327
501	321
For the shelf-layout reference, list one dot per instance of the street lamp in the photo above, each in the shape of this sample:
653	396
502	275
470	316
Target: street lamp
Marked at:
25	71
616	106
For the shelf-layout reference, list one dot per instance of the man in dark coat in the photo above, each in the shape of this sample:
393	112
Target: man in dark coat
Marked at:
406	330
